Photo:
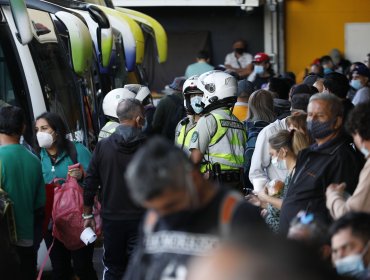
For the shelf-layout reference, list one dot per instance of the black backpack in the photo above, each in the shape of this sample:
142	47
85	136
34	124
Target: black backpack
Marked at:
253	128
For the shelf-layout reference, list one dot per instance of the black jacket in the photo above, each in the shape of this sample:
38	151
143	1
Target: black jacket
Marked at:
107	167
318	166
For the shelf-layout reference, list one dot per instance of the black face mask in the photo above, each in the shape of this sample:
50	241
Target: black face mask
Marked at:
239	50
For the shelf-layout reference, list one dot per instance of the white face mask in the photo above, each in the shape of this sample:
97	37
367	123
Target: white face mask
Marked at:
44	139
364	151
196	102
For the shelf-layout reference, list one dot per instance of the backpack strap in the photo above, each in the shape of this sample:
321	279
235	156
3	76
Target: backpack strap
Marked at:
72	151
228	207
43	264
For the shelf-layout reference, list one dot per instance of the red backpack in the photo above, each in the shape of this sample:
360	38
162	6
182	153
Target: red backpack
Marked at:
67	213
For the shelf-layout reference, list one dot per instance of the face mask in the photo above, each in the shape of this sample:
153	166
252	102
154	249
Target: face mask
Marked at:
196	102
44	139
320	130
239	50
279	163
327	71
258	69
356	84
365	151
352	265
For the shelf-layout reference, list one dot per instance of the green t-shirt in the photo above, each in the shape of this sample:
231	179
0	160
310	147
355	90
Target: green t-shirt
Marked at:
21	178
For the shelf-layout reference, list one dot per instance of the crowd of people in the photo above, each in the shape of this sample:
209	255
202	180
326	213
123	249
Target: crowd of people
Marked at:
237	173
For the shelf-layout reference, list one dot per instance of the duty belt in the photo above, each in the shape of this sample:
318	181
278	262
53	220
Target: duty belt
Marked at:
229	176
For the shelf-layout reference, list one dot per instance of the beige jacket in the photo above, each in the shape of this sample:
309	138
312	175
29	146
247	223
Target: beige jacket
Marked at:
359	201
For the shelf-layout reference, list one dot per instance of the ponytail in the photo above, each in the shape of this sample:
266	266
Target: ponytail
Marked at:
294	140
299	141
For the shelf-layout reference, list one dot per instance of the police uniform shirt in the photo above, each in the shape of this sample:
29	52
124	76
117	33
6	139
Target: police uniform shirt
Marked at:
204	131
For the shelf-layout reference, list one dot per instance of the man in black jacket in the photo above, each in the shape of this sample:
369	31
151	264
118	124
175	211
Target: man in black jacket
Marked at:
332	159
121	217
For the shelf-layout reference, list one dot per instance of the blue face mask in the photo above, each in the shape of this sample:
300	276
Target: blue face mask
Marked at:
279	163
327	71
196	104
356	84
258	69
320	130
352	265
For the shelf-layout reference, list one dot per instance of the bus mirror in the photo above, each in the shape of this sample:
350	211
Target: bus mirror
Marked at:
22	21
80	42
104	34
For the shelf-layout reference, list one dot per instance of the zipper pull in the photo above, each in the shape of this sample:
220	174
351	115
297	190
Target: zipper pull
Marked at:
52	168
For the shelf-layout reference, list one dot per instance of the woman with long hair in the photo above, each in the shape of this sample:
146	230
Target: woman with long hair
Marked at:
284	148
260	114
57	153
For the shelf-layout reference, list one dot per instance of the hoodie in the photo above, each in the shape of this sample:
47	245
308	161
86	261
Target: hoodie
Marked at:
107	168
261	160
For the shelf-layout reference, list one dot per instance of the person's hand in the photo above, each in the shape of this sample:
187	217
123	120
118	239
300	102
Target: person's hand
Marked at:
253	199
263	195
264	213
75	173
338	188
90	223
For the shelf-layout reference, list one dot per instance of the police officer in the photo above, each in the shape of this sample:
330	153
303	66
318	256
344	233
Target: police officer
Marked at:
113	98
217	143
192	101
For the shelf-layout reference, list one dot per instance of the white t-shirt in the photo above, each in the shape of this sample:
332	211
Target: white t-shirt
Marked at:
243	60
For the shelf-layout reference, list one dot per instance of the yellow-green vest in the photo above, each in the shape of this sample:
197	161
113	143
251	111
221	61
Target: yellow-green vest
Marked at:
183	138
107	130
227	144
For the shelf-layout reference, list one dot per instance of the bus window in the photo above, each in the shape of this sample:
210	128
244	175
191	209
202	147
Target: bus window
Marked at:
62	90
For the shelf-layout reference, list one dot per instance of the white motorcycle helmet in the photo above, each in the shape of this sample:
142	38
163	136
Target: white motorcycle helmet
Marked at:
113	98
189	88
219	88
141	91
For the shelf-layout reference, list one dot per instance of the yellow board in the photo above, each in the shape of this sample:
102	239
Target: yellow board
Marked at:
315	27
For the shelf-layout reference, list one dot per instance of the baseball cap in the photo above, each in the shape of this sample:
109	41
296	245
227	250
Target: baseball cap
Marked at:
310	79
245	87
302	88
362	70
300	101
261	57
177	83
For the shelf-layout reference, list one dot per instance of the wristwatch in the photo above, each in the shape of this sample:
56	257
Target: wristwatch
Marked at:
87	216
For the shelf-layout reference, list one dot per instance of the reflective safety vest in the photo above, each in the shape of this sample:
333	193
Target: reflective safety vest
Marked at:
107	130
183	137
227	144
